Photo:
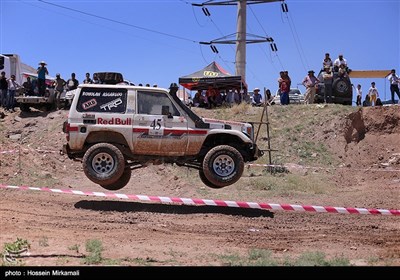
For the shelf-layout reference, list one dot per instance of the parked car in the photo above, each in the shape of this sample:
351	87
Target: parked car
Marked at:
295	96
342	91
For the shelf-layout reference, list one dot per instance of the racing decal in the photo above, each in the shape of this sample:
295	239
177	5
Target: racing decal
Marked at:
89	104
167	133
156	128
110	100
114	103
116	121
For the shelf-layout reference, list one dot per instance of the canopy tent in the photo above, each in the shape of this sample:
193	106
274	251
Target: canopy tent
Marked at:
212	75
49	79
369	73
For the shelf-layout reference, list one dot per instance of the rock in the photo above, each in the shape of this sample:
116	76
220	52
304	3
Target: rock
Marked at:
15	136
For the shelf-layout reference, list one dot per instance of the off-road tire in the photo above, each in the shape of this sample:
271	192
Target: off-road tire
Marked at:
206	181
103	163
341	85
222	166
24	107
121	182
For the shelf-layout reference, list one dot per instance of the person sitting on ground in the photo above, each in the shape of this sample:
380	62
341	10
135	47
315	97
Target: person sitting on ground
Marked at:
366	101
269	97
257	98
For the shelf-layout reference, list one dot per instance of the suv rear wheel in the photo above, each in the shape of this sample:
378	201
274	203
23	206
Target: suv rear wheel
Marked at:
103	163
222	166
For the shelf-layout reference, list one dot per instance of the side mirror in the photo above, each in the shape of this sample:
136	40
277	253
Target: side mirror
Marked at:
165	110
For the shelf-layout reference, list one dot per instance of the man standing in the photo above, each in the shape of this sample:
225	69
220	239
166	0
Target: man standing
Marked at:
42	72
4	89
284	88
373	94
394	84
59	85
72	83
328	82
13	86
310	82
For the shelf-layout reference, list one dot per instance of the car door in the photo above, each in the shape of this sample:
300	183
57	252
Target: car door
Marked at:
158	127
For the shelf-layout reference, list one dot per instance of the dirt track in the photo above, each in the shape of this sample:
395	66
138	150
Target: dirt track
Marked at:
139	233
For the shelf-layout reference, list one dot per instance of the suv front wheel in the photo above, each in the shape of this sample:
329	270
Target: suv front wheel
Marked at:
103	164
222	166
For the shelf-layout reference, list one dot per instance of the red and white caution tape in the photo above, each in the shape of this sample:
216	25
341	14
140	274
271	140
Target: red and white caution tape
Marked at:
221	203
325	168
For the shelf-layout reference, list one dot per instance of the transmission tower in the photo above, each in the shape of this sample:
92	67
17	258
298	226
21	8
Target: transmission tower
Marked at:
241	36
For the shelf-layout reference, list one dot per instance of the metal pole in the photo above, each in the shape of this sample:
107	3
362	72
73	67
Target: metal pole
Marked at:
241	39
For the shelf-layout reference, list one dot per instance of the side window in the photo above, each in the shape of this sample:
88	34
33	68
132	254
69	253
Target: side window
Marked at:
102	100
155	103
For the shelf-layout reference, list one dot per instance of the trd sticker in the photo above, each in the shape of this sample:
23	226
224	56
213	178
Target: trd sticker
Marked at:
89	104
112	104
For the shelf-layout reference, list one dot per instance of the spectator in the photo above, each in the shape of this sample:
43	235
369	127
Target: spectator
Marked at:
59	85
289	80
4	89
283	83
211	94
340	62
196	98
230	97
72	83
42	72
310	82
327	62
13	86
366	102
328	82
87	79
96	79
359	95
394	84
269	98
256	98
373	94
28	87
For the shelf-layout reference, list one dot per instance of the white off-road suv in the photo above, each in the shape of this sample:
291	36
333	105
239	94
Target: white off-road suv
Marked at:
114	129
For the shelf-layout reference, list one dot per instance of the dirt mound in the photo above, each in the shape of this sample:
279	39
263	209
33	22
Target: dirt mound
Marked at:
374	120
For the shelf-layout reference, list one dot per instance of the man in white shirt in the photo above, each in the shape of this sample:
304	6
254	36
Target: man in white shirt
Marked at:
340	62
394	84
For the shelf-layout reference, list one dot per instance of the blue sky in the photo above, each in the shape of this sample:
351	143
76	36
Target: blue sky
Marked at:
156	42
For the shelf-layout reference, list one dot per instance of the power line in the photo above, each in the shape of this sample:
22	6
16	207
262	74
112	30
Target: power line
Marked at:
120	22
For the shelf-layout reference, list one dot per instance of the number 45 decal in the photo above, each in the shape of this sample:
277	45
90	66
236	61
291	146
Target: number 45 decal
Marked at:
156	124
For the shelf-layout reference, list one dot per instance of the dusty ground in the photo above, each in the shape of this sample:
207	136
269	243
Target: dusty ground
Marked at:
364	143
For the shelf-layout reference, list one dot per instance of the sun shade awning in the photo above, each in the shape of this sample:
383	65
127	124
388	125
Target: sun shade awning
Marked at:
212	75
369	73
